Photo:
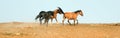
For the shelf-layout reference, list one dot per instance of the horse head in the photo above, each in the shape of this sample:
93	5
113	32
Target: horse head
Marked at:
79	12
57	11
60	10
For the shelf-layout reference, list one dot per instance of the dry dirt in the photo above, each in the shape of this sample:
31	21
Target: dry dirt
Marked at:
34	30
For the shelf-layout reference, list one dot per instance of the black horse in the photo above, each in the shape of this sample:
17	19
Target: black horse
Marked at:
44	15
47	15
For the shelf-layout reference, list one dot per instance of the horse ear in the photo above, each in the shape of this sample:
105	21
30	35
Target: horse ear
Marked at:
58	7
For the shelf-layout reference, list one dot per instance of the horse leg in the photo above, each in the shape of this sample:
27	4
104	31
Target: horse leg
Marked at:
69	22
77	21
47	21
56	20
51	20
74	22
40	20
63	20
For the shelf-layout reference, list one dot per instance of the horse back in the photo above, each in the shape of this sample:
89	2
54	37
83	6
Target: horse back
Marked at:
70	15
50	12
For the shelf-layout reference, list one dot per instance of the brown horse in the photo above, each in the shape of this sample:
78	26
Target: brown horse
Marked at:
72	16
54	16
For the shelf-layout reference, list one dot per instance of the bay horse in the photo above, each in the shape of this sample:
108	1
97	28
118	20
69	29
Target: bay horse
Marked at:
48	15
71	16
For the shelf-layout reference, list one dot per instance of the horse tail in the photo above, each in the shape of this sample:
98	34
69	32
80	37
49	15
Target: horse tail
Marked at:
37	17
61	10
40	14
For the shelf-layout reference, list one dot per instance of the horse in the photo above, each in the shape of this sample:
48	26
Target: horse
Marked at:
43	15
71	15
48	15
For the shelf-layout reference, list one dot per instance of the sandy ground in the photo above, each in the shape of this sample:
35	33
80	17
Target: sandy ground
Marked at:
34	30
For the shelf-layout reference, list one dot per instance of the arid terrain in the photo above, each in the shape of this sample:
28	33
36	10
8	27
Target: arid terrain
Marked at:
35	30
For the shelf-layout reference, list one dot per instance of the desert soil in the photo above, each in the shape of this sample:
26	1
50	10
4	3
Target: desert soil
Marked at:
35	30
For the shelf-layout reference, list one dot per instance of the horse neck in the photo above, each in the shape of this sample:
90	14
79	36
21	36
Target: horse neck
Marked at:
55	13
76	14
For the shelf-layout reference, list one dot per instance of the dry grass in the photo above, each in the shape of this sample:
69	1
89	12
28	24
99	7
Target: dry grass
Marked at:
34	30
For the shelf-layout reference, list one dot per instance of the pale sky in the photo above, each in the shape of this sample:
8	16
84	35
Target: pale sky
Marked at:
95	11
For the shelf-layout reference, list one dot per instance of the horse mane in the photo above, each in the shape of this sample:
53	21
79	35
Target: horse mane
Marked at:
60	10
77	11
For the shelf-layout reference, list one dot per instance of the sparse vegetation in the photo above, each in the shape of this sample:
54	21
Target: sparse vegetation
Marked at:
34	30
